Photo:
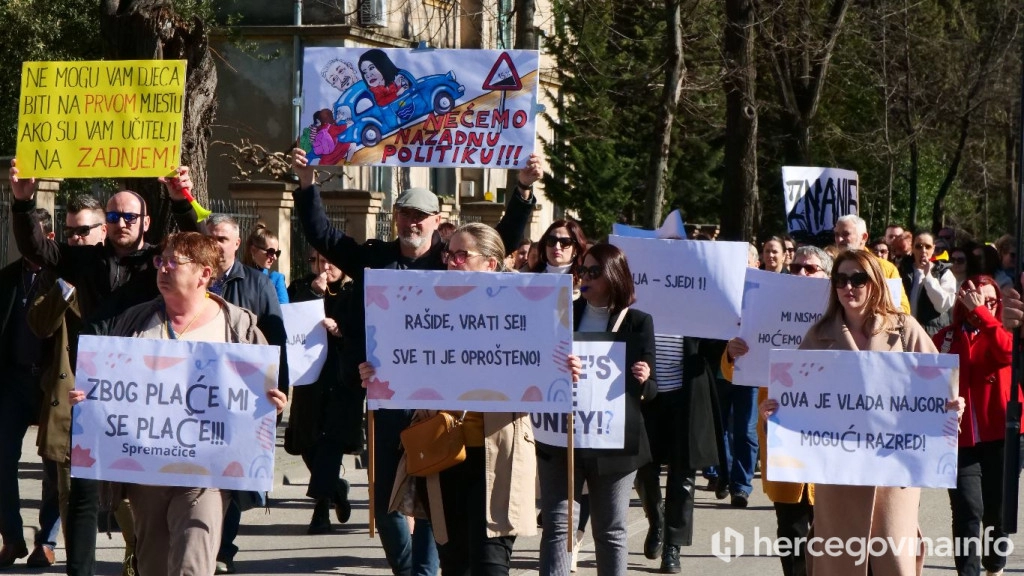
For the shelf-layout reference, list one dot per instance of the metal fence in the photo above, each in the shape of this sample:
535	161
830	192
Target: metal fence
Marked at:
300	247
385	230
244	212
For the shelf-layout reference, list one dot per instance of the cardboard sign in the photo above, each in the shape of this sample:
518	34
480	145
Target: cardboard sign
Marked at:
175	413
481	341
104	119
863	418
405	107
816	197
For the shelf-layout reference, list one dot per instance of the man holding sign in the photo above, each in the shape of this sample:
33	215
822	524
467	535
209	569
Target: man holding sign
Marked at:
178	528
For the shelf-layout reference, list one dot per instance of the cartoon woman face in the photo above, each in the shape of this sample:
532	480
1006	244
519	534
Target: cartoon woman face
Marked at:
372	76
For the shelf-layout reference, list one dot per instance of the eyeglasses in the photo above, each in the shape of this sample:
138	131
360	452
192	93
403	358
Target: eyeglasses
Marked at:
857	279
272	253
592	272
958	260
992	302
129	217
169	263
923	246
83	231
458	257
563	241
811	269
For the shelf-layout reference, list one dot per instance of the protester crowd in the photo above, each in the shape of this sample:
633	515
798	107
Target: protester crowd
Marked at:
683	414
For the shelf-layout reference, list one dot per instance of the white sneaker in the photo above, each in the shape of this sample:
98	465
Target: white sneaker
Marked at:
576	550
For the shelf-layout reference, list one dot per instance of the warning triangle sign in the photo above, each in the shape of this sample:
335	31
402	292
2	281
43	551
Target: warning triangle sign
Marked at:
503	75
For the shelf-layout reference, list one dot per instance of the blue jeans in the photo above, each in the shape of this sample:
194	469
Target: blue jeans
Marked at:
408	555
739	420
19	406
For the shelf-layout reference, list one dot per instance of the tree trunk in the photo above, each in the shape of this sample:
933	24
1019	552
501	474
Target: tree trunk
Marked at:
657	170
525	39
915	159
939	207
740	202
152	30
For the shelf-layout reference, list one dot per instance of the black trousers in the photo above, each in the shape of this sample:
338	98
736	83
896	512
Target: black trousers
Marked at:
80	527
794	521
977	506
679	491
469	552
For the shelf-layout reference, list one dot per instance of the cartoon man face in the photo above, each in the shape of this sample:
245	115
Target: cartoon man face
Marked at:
340	74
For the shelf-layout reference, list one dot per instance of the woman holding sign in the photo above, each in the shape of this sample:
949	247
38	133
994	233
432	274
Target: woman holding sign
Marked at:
986	351
608	292
478	506
860	316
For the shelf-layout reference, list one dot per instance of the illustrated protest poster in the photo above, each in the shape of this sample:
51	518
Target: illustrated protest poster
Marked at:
863	418
175	413
777	311
599	398
307	340
102	119
693	288
411	107
480	341
816	197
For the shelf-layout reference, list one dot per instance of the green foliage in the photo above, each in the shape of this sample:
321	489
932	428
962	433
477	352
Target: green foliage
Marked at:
41	30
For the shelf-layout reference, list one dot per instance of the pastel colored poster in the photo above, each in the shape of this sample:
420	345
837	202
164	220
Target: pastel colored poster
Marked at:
175	413
413	107
863	418
488	342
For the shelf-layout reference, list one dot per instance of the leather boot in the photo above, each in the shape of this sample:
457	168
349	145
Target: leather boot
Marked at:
670	560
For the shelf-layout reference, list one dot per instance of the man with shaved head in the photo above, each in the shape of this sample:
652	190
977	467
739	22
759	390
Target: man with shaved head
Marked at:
108	278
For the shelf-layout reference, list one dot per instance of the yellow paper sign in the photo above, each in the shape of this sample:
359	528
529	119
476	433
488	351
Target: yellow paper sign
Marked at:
107	119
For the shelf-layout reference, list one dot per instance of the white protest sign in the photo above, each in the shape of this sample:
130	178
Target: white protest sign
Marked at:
482	341
693	288
599	401
895	291
816	197
672	228
175	413
863	418
307	340
777	311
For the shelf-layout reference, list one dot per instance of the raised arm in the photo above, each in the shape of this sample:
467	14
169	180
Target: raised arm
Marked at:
520	205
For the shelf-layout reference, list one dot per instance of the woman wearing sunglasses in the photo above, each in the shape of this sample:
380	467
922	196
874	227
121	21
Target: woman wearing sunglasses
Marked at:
986	350
561	251
261	252
608	292
860	316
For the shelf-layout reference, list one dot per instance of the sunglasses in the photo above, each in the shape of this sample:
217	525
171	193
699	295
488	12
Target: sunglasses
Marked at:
811	269
458	257
81	231
923	246
563	241
991	302
857	279
170	263
129	217
590	272
271	253
790	249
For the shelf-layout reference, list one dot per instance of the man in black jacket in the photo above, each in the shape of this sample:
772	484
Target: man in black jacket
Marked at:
417	215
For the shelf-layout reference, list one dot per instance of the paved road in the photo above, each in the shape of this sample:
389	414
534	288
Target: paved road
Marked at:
276	543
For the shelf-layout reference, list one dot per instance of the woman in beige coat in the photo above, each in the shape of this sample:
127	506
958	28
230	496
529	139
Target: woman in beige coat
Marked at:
860	316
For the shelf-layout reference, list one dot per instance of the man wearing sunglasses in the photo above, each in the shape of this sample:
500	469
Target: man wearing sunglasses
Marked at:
416	248
931	285
851	233
108	278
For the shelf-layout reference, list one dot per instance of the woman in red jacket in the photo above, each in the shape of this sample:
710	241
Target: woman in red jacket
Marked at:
985	350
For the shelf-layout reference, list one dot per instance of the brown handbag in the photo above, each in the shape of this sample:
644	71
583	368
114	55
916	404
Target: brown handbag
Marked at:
434	444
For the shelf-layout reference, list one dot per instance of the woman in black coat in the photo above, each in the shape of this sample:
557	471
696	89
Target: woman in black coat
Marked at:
326	419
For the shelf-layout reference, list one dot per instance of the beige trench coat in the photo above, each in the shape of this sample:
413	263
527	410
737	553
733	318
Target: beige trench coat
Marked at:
510	458
867	511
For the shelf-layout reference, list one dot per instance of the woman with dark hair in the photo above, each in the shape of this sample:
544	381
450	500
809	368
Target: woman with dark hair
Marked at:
261	252
382	77
608	292
860	316
986	351
561	251
773	255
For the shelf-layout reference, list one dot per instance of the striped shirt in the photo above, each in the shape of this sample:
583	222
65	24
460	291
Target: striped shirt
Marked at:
668	362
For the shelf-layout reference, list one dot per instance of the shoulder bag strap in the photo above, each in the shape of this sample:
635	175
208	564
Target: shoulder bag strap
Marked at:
618	321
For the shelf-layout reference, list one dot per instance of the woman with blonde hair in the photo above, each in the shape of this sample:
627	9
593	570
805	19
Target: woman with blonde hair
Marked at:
261	252
860	316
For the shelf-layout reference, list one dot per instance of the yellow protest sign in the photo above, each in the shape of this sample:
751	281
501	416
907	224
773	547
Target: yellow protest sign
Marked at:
100	119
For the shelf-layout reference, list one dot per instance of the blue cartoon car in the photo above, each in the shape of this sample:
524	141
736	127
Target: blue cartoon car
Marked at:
371	122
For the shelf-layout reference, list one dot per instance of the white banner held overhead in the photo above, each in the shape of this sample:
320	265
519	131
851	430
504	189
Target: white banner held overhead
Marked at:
816	197
693	288
863	418
599	401
481	341
777	311
307	340
175	413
